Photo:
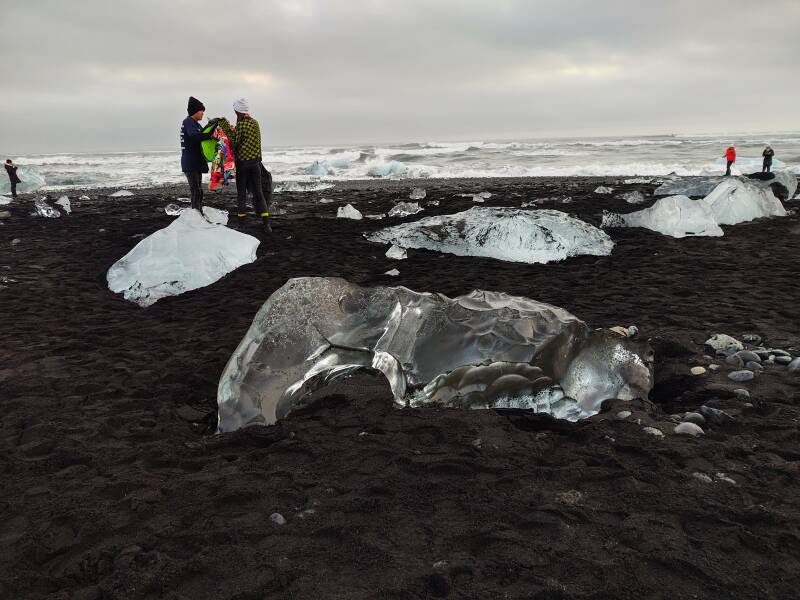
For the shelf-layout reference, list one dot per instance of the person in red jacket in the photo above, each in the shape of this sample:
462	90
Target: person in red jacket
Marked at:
730	156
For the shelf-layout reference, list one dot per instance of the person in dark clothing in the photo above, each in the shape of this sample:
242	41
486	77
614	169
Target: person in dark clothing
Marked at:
246	143
768	153
11	169
193	163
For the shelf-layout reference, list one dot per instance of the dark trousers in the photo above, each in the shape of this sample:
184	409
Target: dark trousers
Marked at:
248	179
13	189
767	166
195	179
728	170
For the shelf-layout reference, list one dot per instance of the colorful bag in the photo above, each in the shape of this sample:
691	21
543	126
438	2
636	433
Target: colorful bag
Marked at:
223	167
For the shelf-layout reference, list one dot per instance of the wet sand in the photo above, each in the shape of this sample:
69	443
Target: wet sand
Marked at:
114	485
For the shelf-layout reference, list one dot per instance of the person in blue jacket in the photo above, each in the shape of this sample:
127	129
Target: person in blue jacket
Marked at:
193	163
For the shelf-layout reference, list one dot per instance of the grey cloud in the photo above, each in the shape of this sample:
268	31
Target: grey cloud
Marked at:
78	76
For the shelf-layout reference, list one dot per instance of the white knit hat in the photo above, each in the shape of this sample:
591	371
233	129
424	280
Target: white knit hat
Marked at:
241	106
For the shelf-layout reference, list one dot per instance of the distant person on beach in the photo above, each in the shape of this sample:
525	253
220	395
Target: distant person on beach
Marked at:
193	163
768	153
11	169
730	156
246	144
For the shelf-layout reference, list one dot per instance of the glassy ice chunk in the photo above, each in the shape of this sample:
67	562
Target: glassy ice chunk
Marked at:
737	201
637	180
64	203
396	253
173	210
510	234
188	254
84	198
688	186
478	350
633	197
301	186
675	216
417	194
212	215
121	194
604	190
392	273
403	209
43	209
349	212
185	200
30	181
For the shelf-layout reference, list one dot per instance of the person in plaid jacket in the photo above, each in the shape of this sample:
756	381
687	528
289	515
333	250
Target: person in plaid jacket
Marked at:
246	142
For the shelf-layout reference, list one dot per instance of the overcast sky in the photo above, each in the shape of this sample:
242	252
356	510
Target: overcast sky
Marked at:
115	75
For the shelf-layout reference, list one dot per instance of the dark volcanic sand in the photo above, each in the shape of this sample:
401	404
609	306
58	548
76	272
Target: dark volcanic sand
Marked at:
114	485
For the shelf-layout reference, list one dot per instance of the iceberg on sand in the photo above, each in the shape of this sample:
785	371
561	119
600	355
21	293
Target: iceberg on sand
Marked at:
732	201
188	254
510	234
483	349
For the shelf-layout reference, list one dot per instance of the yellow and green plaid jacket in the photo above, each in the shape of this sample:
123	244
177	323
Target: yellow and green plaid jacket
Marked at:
247	140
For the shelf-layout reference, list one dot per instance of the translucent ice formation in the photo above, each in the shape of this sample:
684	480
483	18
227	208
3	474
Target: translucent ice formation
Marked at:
403	209
511	234
188	254
4	200
173	210
675	216
688	186
483	349
30	181
121	194
417	194
604	190
732	201
43	209
65	205
396	253
349	212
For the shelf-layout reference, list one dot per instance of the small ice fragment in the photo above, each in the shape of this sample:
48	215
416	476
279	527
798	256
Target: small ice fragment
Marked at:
121	193
417	194
173	209
403	209
184	200
374	217
326	200
633	197
84	198
603	190
392	273
702	477
43	209
15	241
277	518
637	180
396	253
349	212
724	477
64	203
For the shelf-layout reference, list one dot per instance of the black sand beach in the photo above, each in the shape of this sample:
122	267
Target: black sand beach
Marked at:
115	487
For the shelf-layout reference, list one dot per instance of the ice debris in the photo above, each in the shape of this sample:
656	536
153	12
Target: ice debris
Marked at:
121	194
64	203
634	197
173	210
349	212
4	200
477	350
392	273
403	209
510	234
300	186
603	190
396	253
417	194
43	209
84	198
188	254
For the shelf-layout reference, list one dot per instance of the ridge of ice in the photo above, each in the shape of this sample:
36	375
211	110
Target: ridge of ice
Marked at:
482	349
188	254
510	234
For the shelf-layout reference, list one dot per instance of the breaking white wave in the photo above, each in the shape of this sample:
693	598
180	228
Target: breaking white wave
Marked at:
602	157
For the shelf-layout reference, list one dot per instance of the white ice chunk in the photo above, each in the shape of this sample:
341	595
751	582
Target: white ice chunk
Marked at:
480	350
392	273
403	209
675	216
188	254
300	186
84	198
396	253
417	194
637	180
604	190
121	193
43	209
511	234
173	210
736	201
64	203
30	181
185	200
633	197
349	212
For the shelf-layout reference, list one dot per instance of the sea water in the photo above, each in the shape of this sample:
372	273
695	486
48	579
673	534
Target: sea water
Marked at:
612	156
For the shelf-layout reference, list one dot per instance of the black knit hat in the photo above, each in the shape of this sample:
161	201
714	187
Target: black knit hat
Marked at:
194	105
